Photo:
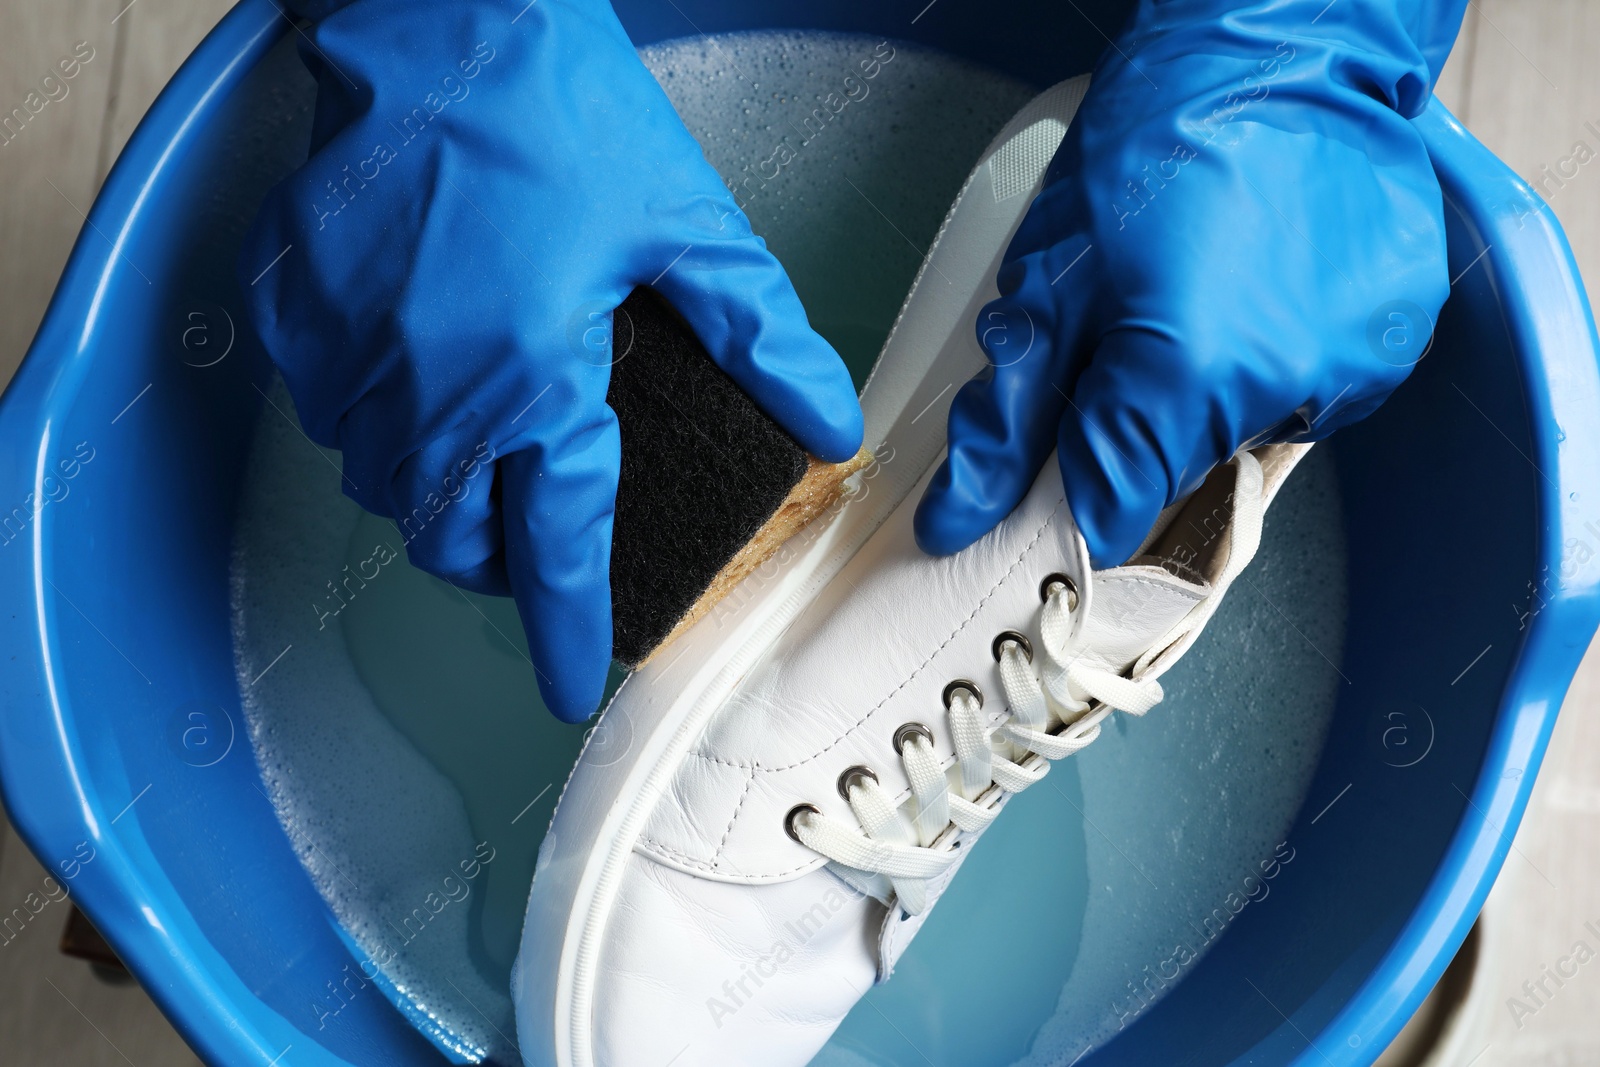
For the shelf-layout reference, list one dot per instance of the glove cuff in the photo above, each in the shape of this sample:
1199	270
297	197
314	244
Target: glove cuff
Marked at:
1388	50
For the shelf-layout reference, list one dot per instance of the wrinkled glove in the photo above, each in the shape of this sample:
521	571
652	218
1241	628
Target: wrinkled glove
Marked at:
488	180
1240	240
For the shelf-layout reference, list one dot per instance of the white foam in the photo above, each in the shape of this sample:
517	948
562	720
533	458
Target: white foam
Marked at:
376	826
845	151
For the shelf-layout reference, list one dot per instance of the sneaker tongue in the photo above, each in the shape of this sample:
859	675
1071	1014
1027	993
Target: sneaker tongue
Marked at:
1185	559
1190	539
1135	606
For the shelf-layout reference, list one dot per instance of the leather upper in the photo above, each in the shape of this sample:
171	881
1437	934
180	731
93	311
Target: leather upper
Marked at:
873	652
721	975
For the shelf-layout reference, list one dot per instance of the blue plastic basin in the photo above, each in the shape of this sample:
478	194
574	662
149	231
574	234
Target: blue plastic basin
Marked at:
120	701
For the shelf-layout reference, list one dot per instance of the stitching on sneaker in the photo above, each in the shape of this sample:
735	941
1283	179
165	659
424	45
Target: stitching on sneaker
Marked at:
716	856
649	846
1057	712
853	727
756	769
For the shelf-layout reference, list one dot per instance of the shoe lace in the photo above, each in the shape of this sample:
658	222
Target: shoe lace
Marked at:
1055	709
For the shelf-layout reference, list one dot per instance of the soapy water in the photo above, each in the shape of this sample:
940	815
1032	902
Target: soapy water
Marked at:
846	153
400	736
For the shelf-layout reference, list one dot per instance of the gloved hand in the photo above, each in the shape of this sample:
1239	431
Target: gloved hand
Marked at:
488	180
1240	240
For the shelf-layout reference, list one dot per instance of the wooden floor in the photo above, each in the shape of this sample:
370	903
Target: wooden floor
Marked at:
1524	78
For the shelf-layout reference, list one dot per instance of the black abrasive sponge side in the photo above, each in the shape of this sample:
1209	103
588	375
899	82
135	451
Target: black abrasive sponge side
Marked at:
704	472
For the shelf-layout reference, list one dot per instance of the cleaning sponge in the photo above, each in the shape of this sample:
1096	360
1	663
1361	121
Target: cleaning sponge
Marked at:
710	487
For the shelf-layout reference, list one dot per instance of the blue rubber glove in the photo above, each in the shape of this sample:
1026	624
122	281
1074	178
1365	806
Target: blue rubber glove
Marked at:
488	180
1240	240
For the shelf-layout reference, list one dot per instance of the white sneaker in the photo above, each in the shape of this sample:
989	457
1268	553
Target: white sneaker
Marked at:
765	814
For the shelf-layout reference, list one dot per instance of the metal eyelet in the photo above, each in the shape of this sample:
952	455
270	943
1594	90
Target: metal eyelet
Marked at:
907	732
851	776
956	686
1011	636
1052	580
794	813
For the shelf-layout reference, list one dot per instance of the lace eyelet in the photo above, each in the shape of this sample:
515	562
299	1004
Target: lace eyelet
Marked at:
1011	637
794	813
956	686
907	732
1053	580
851	776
